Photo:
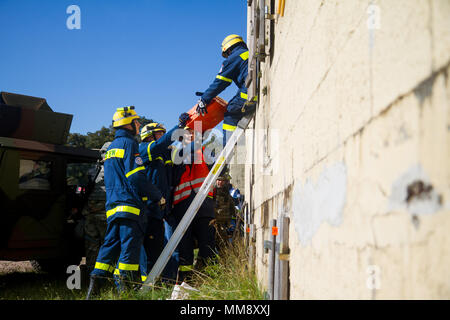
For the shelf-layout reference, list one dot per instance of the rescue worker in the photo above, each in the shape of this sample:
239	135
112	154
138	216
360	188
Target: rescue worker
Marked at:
155	154
188	178
126	188
94	214
234	69
237	221
225	211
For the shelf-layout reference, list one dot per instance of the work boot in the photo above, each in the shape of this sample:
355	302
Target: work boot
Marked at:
96	283
200	264
128	281
249	107
184	276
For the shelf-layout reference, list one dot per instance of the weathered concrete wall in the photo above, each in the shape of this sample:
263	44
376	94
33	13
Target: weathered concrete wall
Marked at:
358	93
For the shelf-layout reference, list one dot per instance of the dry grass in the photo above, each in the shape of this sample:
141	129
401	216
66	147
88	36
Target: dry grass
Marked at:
226	278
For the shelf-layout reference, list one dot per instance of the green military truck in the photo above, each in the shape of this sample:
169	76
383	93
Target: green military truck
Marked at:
40	197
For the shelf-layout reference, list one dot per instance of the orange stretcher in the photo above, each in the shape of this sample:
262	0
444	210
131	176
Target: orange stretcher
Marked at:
216	109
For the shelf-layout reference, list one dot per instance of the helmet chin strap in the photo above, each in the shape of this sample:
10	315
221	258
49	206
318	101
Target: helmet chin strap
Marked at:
133	129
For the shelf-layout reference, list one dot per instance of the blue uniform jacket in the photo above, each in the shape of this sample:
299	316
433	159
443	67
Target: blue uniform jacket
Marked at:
156	159
234	69
236	195
125	181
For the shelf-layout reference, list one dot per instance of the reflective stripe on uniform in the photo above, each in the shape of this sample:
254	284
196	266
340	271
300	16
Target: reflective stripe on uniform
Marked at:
144	198
128	267
182	195
245	96
148	150
122	209
180	191
182	186
117	273
115	153
168	162
198	180
244	55
197	185
186	268
134	171
189	183
224	78
103	266
228	127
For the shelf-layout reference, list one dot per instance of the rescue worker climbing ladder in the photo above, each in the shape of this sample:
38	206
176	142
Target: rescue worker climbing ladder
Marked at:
239	113
234	69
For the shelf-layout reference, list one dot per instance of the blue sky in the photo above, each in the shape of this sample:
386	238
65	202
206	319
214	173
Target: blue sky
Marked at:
147	53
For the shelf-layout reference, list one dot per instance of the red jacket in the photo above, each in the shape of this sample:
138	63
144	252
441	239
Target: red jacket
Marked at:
192	179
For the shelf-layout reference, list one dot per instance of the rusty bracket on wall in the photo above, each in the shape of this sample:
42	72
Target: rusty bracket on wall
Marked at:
267	15
283	251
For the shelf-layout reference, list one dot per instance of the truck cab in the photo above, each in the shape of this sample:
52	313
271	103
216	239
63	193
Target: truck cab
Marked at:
42	184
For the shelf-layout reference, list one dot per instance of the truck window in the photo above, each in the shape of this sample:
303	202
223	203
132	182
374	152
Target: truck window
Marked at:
35	174
80	174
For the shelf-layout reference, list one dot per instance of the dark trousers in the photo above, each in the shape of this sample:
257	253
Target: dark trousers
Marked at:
232	116
153	241
121	248
200	230
171	269
203	232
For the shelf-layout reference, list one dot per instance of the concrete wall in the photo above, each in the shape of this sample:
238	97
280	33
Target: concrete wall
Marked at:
357	152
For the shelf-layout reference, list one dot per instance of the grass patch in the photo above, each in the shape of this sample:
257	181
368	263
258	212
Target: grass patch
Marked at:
228	277
36	286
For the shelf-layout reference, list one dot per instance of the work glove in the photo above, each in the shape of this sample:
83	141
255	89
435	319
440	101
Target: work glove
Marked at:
162	203
183	119
198	93
248	107
201	107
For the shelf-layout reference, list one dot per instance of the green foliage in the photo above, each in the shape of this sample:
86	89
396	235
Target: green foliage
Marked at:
95	140
228	278
143	121
92	140
76	140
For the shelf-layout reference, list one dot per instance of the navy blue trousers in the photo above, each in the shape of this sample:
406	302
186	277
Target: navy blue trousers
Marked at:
121	248
200	230
232	116
171	269
154	241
